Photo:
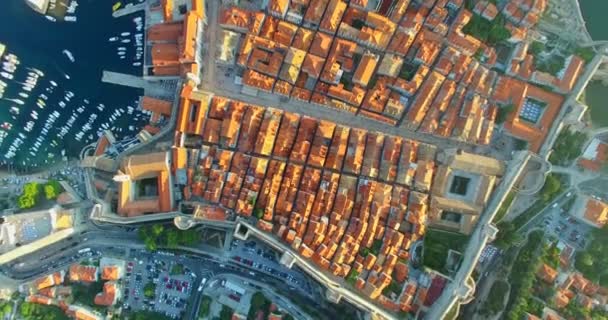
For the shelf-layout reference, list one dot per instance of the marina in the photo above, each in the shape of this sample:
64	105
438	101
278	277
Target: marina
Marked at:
52	99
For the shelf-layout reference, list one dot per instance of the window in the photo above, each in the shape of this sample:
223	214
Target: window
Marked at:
183	9
451	216
460	185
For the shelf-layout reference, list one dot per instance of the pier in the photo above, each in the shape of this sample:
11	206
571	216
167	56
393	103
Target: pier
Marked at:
129	9
128	80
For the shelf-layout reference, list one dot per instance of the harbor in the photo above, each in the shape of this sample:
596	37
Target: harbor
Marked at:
53	101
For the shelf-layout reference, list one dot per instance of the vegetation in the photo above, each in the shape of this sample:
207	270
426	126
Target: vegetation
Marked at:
568	146
495	302
84	294
522	276
149	290
52	189
504	208
352	277
376	246
586	54
551	255
393	287
490	32
6	308
258	213
32	195
437	244
593	262
177	268
520	144
507	235
34	311
226	313
258	302
167	236
203	311
551	65
503	113
29	197
536	48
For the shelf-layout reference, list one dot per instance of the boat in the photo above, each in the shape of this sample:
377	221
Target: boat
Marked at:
113	39
136	64
23	95
122	57
66	76
9	68
69	55
121	53
53	83
125	40
40	73
116	6
6	75
50	18
121	48
14	110
125	34
70	18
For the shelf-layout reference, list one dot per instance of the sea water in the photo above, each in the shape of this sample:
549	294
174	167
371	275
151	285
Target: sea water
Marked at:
38	43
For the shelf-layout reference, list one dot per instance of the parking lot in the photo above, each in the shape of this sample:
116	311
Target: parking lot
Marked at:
171	281
559	224
259	257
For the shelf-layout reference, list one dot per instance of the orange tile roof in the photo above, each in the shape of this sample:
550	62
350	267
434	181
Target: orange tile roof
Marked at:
365	69
315	11
596	212
333	16
535	134
39	299
83	273
424	98
156	105
278	8
189	38
313	65
570	75
321	44
255	79
546	273
169	32
108	296
235	18
303	38
111	273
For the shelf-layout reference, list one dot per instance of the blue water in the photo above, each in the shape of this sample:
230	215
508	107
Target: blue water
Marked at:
38	43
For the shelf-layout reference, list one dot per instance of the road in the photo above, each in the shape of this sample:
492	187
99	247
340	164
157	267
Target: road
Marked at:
540	216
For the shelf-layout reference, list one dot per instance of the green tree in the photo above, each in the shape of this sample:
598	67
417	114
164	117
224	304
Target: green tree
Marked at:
226	313
551	188
586	259
52	189
536	47
507	235
258	213
150	290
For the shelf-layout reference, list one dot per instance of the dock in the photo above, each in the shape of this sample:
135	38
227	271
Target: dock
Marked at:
128	80
129	10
